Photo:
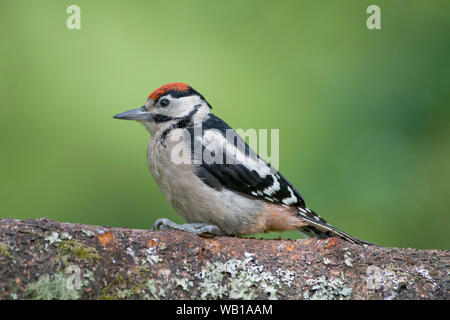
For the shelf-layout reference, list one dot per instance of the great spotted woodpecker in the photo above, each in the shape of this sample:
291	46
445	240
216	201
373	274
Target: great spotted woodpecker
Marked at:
239	197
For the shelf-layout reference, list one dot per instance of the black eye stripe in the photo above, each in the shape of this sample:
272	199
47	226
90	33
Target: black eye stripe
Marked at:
158	118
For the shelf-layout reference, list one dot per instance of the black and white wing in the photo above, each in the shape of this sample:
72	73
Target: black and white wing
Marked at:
239	168
233	165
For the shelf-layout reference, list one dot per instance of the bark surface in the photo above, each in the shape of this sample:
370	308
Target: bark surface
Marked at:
44	259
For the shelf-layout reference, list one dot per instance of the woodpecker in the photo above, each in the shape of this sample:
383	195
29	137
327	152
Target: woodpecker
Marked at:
221	197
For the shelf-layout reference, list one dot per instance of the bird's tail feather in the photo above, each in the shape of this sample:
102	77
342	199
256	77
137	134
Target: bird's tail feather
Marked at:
319	228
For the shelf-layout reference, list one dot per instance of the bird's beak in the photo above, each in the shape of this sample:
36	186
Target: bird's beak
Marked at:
140	114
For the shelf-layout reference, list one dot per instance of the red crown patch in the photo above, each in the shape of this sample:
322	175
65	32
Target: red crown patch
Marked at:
177	86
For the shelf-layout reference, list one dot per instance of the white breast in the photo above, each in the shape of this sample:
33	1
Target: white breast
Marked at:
192	198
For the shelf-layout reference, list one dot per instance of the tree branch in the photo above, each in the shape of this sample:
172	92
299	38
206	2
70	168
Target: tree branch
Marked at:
44	259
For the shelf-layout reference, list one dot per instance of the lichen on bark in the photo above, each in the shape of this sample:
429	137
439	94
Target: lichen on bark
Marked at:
44	259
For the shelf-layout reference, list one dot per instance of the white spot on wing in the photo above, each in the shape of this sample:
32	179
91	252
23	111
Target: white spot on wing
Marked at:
302	214
292	199
273	188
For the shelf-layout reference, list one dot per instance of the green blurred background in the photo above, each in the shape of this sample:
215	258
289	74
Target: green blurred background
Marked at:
364	116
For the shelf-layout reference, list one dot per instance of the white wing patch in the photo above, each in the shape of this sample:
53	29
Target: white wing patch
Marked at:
292	199
273	188
243	171
213	140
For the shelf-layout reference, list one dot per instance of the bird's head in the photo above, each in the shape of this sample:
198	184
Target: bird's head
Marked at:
167	105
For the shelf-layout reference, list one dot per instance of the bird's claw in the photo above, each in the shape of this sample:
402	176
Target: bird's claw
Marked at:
200	229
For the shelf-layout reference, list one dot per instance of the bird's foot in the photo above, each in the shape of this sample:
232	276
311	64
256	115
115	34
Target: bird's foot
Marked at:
200	229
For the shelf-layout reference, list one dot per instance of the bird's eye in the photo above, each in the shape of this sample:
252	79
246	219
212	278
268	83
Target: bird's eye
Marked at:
164	102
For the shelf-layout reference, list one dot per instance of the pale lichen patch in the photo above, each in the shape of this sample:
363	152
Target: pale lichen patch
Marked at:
151	256
132	254
155	291
184	283
286	276
88	233
51	287
327	289
389	280
241	279
52	238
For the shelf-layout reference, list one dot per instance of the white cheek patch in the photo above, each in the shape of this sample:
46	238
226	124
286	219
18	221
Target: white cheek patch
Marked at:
181	107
